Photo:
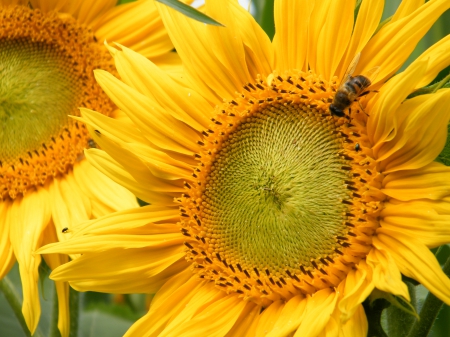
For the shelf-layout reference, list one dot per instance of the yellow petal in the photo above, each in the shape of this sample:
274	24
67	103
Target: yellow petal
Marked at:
182	103
138	183
136	25
173	296
220	315
357	325
382	124
369	16
292	19
438	59
243	325
421	137
392	45
203	70
155	123
27	219
318	17
7	258
357	287
415	261
268	318
429	182
406	8
425	220
203	298
319	308
334	36
62	288
259	52
227	42
69	205
290	317
131	282
44	5
87	11
386	275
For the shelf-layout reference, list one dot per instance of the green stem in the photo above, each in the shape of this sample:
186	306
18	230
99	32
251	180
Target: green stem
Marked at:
373	313
74	307
13	299
54	332
429	312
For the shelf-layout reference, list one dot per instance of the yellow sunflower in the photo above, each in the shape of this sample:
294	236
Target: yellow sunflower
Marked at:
48	51
269	214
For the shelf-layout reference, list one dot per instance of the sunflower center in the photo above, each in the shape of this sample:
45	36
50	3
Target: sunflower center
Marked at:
275	190
46	64
281	201
36	91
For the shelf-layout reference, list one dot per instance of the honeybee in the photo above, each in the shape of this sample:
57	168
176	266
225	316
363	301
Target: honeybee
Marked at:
352	87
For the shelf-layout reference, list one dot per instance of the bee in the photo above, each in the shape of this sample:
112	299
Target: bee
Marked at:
351	88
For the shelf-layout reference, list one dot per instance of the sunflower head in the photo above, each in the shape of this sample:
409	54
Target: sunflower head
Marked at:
270	213
46	65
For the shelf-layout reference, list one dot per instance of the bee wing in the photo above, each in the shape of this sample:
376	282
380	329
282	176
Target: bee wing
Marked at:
372	73
350	70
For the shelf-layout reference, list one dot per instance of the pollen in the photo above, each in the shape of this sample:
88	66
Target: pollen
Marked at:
46	67
285	197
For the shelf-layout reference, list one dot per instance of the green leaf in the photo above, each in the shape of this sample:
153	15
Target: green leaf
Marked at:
402	304
264	16
190	12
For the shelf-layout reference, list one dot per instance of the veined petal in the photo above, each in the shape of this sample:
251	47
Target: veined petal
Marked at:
138	183
227	42
406	8
437	56
356	288
318	17
367	21
420	138
292	20
148	219
425	220
243	325
385	273
268	318
43	5
429	182
392	45
159	257
382	126
357	325
173	296
7	258
129	24
203	69
334	37
259	52
62	288
160	164
87	11
290	317
319	308
154	122
69	206
27	219
415	260
182	103
202	299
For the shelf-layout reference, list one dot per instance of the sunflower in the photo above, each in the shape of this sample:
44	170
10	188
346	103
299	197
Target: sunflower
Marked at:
48	51
269	214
